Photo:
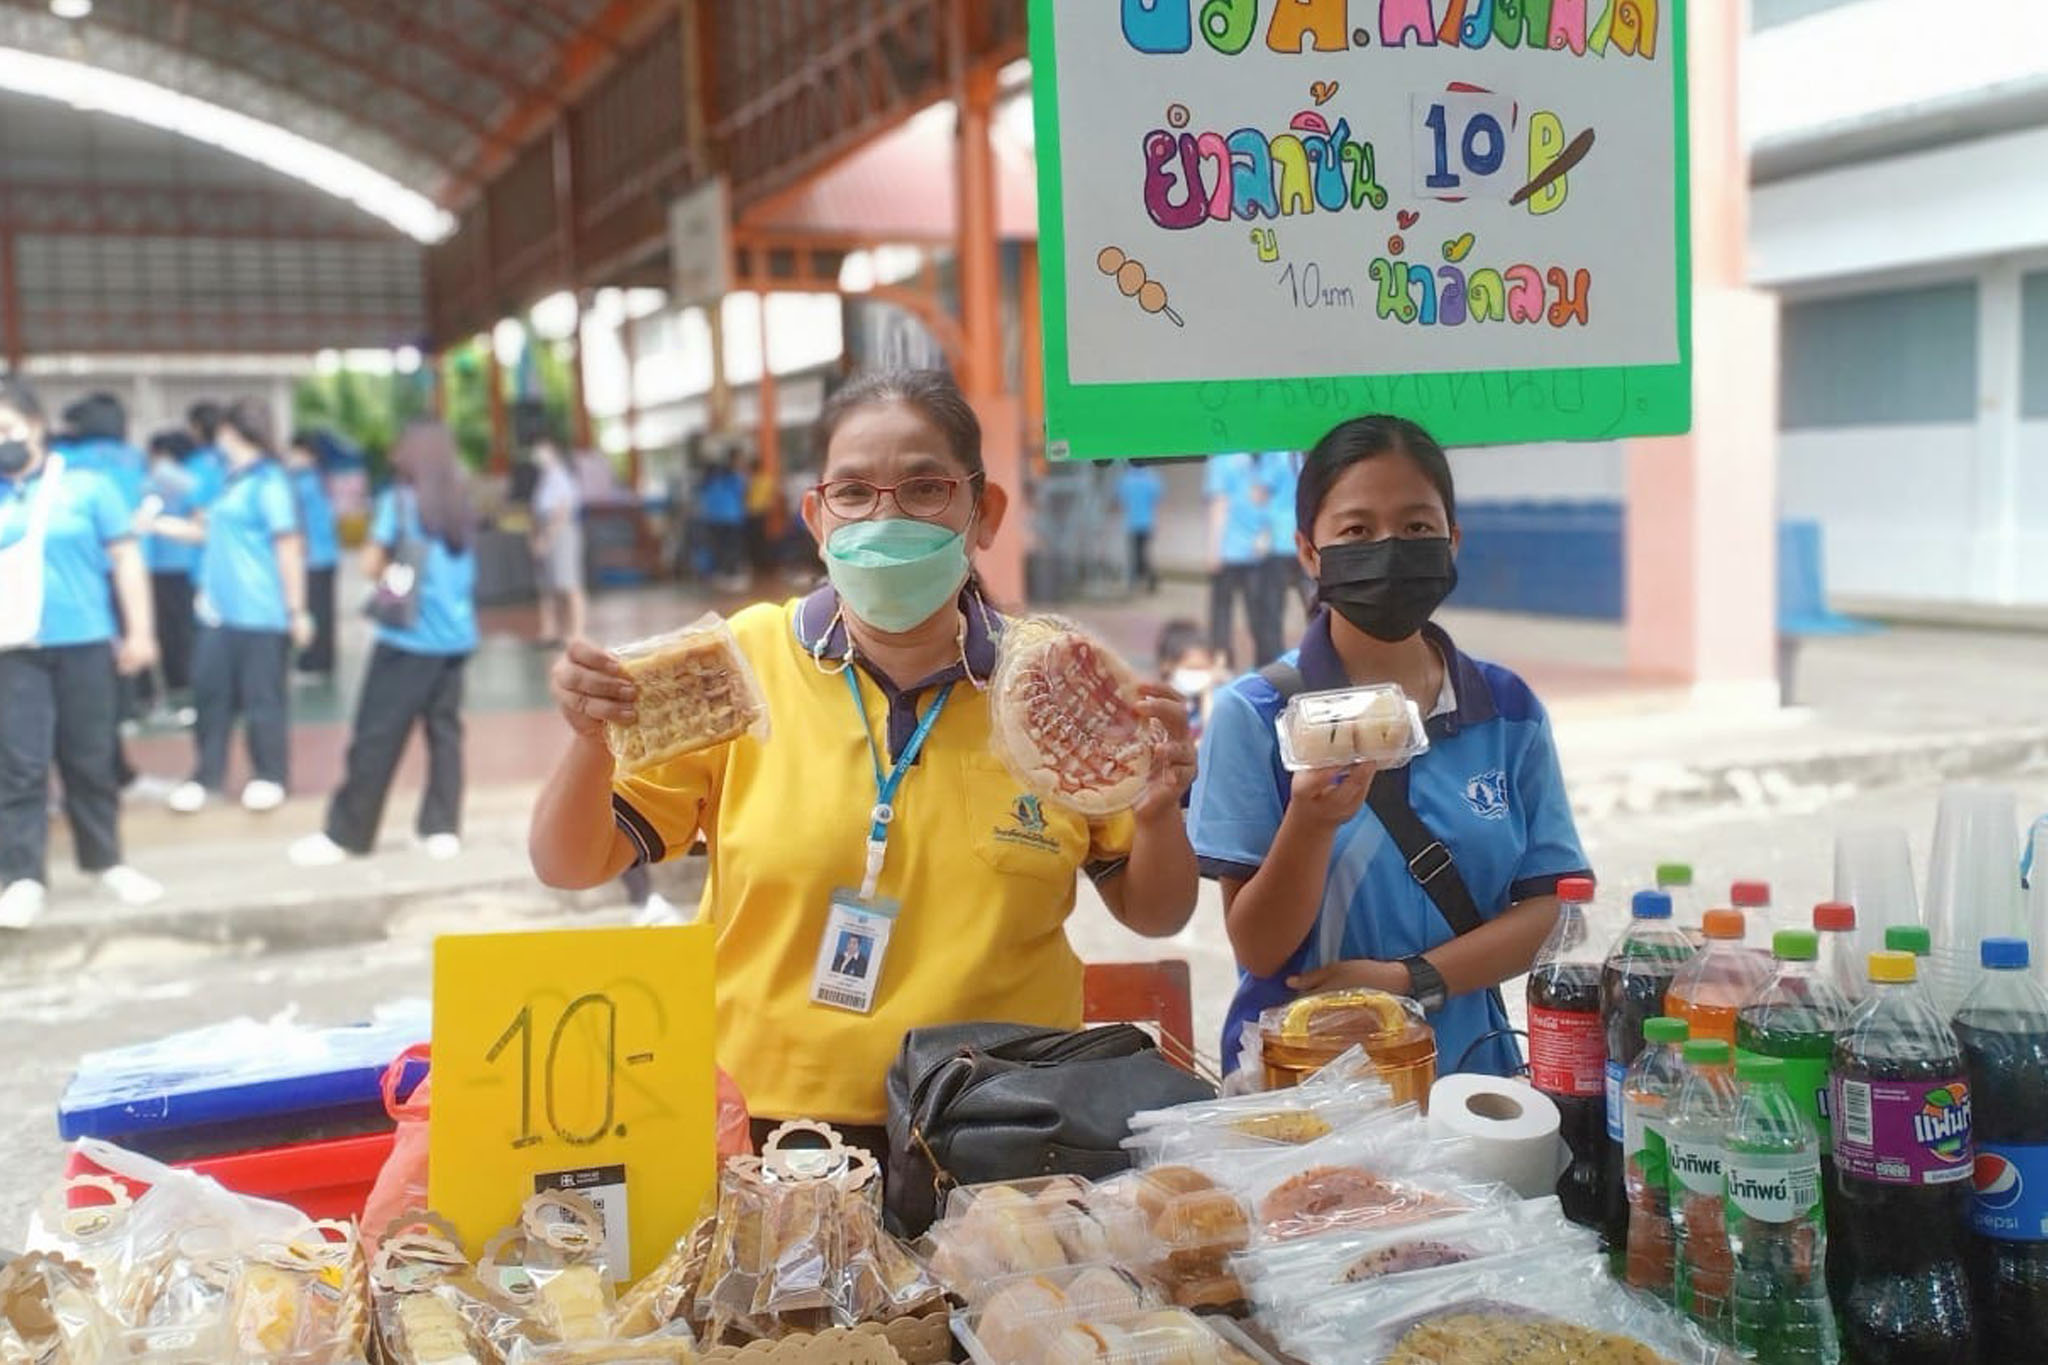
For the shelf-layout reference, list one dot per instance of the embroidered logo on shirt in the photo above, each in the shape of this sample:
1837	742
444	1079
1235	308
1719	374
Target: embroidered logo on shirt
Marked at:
1028	826
1487	795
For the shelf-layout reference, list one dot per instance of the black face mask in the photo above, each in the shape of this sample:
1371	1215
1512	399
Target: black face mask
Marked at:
1387	588
14	457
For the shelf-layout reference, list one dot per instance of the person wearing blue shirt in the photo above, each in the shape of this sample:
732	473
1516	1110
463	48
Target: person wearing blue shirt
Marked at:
1317	891
65	533
416	670
175	486
1282	582
1138	491
1240	539
251	606
722	507
323	550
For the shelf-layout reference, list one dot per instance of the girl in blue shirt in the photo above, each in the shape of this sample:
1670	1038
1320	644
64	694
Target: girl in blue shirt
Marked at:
323	550
416	671
1317	895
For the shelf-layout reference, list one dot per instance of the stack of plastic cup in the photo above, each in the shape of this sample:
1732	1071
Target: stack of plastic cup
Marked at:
1973	887
1874	873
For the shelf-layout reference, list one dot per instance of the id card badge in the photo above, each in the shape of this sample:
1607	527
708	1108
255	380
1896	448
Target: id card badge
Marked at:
850	953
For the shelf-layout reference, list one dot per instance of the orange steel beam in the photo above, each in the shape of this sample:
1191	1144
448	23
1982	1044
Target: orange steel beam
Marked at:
409	25
977	254
770	416
494	382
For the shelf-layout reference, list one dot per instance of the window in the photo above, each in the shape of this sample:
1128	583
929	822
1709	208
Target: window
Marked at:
2034	345
1906	355
1771	13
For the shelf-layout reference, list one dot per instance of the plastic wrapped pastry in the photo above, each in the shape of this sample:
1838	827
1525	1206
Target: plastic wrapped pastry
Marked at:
1377	725
1065	717
696	691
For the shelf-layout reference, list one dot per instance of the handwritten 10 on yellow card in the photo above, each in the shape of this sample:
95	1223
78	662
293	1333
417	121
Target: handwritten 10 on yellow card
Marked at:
575	1059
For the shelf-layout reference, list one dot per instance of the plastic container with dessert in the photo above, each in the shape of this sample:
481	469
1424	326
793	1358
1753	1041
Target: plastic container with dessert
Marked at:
1195	1225
1019	1317
997	1230
1153	1337
696	691
1305	1035
1351	725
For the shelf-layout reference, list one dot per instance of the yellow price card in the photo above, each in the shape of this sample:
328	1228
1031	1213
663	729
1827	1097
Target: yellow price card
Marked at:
577	1059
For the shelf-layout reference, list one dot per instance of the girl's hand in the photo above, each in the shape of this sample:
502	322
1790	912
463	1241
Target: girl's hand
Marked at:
1329	798
1173	757
592	689
1369	973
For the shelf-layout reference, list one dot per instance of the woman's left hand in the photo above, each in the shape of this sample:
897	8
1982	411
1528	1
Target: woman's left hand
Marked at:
1391	977
1173	757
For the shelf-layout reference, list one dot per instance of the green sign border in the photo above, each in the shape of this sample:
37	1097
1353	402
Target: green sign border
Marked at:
1463	408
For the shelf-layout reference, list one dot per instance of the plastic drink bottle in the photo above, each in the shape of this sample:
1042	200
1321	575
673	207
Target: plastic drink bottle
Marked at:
1696	1141
1675	880
1776	1232
1568	1050
2003	1027
1794	1017
1647	1091
1753	899
1901	1107
1633	982
1710	990
1840	962
1909	938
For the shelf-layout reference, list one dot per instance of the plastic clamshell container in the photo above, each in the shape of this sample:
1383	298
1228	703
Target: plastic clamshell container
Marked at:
1336	729
1020	1316
1046	1223
1303	1036
1155	1337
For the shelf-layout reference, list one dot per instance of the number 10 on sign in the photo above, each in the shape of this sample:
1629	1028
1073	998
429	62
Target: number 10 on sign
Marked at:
559	1053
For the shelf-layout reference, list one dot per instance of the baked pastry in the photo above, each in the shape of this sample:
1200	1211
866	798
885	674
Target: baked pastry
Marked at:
1460	1338
1019	1317
1293	1127
1398	1260
1201	1230
1353	725
1355	1013
1172	1338
1343	1196
1219	1291
695	691
1161	1185
1065	718
431	1332
1104	1293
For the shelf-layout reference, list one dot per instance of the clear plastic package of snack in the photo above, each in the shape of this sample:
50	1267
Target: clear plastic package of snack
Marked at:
1284	1277
1169	1336
1351	725
1305	1035
1195	1226
997	1230
1262	1121
696	691
1019	1317
1516	1307
1064	717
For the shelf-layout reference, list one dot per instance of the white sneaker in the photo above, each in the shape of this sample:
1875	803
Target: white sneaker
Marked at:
658	912
315	850
442	847
21	904
260	796
147	787
131	887
187	798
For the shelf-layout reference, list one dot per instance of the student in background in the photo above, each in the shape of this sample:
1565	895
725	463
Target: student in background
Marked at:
1283	582
1190	667
252	610
323	550
175	487
64	534
722	507
416	671
1240	540
1138	491
761	495
557	546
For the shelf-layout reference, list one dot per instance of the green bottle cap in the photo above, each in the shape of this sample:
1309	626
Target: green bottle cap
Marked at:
1709	1052
1795	945
1674	874
1909	938
1760	1069
1666	1030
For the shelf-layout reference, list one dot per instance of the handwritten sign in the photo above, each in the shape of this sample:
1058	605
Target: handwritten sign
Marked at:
577	1059
1258	217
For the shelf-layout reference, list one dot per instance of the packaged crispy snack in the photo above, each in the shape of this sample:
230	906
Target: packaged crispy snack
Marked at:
1064	717
696	691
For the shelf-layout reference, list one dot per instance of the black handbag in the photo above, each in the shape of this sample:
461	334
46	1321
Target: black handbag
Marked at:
971	1103
395	597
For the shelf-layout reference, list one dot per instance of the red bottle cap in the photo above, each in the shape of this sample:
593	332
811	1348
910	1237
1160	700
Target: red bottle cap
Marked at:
1834	916
1724	924
1576	890
1750	895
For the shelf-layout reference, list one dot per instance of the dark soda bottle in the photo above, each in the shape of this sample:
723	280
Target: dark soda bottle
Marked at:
1567	1051
2003	1027
1900	1104
1633	983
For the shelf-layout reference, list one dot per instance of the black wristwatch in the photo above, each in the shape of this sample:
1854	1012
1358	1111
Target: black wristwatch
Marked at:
1425	983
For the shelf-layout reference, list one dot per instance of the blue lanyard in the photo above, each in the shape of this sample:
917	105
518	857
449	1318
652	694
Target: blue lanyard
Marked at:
886	786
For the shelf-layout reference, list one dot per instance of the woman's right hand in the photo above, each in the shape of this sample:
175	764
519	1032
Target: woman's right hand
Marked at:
1329	798
592	689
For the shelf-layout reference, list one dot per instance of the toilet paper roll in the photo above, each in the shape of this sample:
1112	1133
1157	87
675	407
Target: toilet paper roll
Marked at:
1511	1127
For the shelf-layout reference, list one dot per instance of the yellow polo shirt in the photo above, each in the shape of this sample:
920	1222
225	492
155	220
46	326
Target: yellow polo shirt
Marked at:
984	874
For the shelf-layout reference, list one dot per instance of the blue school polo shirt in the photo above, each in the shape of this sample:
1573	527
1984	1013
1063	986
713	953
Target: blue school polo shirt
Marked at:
316	516
1278	469
86	516
119	463
1139	490
1247	530
239	583
1489	787
446	624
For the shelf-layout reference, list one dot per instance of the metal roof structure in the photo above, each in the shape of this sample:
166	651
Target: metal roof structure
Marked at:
556	132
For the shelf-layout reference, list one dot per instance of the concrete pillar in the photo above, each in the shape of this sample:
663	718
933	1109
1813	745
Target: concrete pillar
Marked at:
13	354
1995	552
1702	508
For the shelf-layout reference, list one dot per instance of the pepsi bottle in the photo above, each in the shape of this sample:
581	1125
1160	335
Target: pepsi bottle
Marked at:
2003	1027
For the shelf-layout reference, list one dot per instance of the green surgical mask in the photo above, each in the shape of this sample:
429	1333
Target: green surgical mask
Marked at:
895	574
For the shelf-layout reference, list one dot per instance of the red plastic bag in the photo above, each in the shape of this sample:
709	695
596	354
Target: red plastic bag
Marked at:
401	1186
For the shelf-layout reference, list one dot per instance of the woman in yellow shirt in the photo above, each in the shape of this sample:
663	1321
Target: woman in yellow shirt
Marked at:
875	687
